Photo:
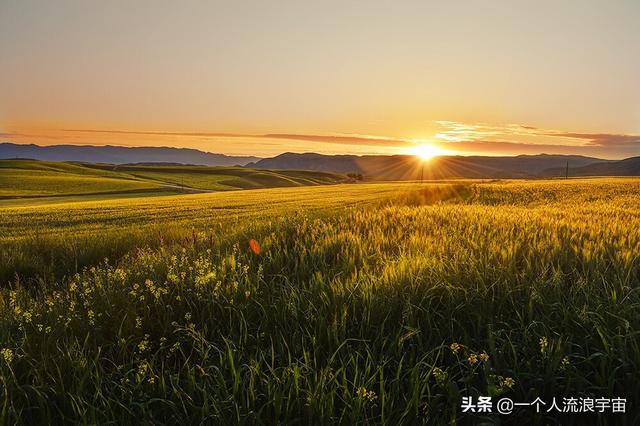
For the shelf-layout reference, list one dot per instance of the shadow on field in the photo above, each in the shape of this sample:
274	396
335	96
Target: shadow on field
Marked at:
432	194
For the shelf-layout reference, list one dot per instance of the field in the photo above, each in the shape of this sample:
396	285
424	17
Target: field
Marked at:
230	178
27	178
30	179
355	303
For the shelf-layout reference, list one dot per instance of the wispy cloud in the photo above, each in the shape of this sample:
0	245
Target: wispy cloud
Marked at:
451	136
600	139
457	132
345	139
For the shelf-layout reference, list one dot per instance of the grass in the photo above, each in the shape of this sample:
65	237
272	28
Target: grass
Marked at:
50	240
380	303
25	178
30	179
230	178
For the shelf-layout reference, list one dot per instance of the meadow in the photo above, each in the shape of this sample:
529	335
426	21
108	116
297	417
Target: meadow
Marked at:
42	179
28	178
379	303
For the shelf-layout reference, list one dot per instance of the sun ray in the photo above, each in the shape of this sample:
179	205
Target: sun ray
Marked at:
426	151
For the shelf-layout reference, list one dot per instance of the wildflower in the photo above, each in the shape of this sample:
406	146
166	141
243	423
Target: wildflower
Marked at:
507	382
92	317
187	316
138	322
473	359
440	375
7	354
455	347
544	344
144	344
484	357
365	394
565	362
144	369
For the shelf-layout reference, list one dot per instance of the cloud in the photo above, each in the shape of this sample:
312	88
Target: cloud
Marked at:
522	139
458	131
454	137
601	139
505	147
348	139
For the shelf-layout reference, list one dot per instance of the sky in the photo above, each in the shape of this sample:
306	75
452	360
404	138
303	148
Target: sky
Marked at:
369	77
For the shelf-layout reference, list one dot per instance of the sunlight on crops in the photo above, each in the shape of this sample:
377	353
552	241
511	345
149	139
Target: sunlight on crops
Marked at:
345	304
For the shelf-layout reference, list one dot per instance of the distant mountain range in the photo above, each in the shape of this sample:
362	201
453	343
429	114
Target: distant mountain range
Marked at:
404	167
385	167
120	155
626	167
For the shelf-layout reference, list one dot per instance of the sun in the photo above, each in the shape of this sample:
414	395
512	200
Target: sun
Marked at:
425	151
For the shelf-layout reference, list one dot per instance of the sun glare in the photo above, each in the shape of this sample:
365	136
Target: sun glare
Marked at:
426	151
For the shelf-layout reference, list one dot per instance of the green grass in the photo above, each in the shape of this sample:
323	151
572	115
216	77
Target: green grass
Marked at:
346	315
24	178
60	237
227	178
31	179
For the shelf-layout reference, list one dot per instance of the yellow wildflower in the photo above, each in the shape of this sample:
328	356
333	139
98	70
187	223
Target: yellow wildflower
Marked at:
144	344
507	382
365	394
544	344
473	359
455	347
440	375
7	354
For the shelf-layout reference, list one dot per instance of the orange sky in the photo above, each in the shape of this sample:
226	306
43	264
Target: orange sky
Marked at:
261	78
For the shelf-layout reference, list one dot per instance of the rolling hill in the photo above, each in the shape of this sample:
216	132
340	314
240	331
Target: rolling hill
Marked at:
626	167
119	154
32	178
403	167
222	178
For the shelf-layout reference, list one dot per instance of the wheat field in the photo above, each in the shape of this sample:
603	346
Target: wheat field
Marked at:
371	303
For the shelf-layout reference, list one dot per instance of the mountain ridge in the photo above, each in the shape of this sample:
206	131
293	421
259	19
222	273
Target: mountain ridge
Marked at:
120	155
376	167
403	167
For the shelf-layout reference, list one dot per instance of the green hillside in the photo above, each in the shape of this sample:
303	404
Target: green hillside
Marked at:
225	178
30	178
